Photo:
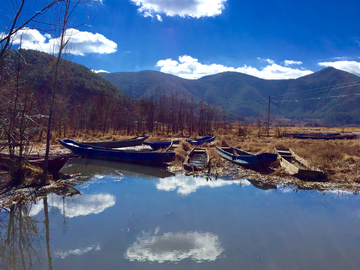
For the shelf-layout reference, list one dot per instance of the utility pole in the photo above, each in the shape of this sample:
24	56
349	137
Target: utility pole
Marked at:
268	122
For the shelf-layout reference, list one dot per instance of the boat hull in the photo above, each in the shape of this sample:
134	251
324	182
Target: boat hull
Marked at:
296	166
141	157
118	144
55	164
245	159
197	142
196	160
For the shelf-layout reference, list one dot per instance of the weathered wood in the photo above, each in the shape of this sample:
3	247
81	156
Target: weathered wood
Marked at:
298	166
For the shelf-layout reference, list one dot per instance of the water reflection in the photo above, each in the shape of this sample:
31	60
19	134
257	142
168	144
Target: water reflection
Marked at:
80	205
186	185
174	247
20	239
93	167
78	251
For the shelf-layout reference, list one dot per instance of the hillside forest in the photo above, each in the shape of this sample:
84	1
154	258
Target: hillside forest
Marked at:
85	102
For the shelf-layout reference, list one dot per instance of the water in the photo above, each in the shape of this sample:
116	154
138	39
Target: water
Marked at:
133	217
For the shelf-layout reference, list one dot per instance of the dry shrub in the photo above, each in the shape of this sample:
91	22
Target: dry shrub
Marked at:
155	138
279	131
213	153
222	142
243	130
185	146
180	154
25	175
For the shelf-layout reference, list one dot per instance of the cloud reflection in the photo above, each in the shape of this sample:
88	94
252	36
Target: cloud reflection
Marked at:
174	247
78	251
186	185
82	205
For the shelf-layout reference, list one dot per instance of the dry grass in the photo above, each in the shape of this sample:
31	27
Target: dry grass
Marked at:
340	159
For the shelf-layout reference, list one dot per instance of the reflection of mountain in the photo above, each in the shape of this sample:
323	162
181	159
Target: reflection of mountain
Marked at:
186	185
91	167
174	247
82	206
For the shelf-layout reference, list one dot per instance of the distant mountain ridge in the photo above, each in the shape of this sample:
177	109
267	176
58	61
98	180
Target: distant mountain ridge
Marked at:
79	81
329	94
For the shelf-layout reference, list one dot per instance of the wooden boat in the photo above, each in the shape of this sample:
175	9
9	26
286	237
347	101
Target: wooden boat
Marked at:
118	144
197	159
321	136
299	167
166	144
132	156
55	164
206	139
160	145
245	159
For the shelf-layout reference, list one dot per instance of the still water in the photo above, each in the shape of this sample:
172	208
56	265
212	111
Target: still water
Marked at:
134	217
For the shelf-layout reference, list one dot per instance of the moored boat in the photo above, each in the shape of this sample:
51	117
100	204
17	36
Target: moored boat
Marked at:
299	167
166	144
246	159
132	156
197	159
118	144
55	164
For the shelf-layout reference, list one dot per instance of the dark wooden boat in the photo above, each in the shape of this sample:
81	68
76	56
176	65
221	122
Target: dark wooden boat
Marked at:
118	144
166	144
132	156
321	136
55	164
299	167
197	159
245	159
206	139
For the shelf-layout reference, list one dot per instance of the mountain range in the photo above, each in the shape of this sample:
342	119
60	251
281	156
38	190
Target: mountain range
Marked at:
330	95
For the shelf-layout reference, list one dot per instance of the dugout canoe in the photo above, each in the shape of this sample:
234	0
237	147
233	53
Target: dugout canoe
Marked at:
131	156
121	143
246	159
166	144
197	159
299	167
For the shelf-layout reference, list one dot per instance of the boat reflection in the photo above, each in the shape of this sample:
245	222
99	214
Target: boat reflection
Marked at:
174	247
92	167
186	185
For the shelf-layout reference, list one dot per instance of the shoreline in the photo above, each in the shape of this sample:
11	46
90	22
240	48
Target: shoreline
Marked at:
342	166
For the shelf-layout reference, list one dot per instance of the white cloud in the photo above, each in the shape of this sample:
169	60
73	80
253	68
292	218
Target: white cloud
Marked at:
80	42
292	62
182	8
349	66
266	60
159	17
190	68
174	247
99	71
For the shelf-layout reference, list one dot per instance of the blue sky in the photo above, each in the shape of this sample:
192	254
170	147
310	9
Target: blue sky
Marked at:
192	38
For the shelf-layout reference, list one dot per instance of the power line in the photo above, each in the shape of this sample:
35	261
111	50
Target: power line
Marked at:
322	89
316	98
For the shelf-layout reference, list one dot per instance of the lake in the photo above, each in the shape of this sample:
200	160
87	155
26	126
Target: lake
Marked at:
135	217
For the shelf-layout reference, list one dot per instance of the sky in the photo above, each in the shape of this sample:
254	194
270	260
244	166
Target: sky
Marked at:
277	39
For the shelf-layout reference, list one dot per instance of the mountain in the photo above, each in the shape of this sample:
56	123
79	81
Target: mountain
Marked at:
328	94
76	81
